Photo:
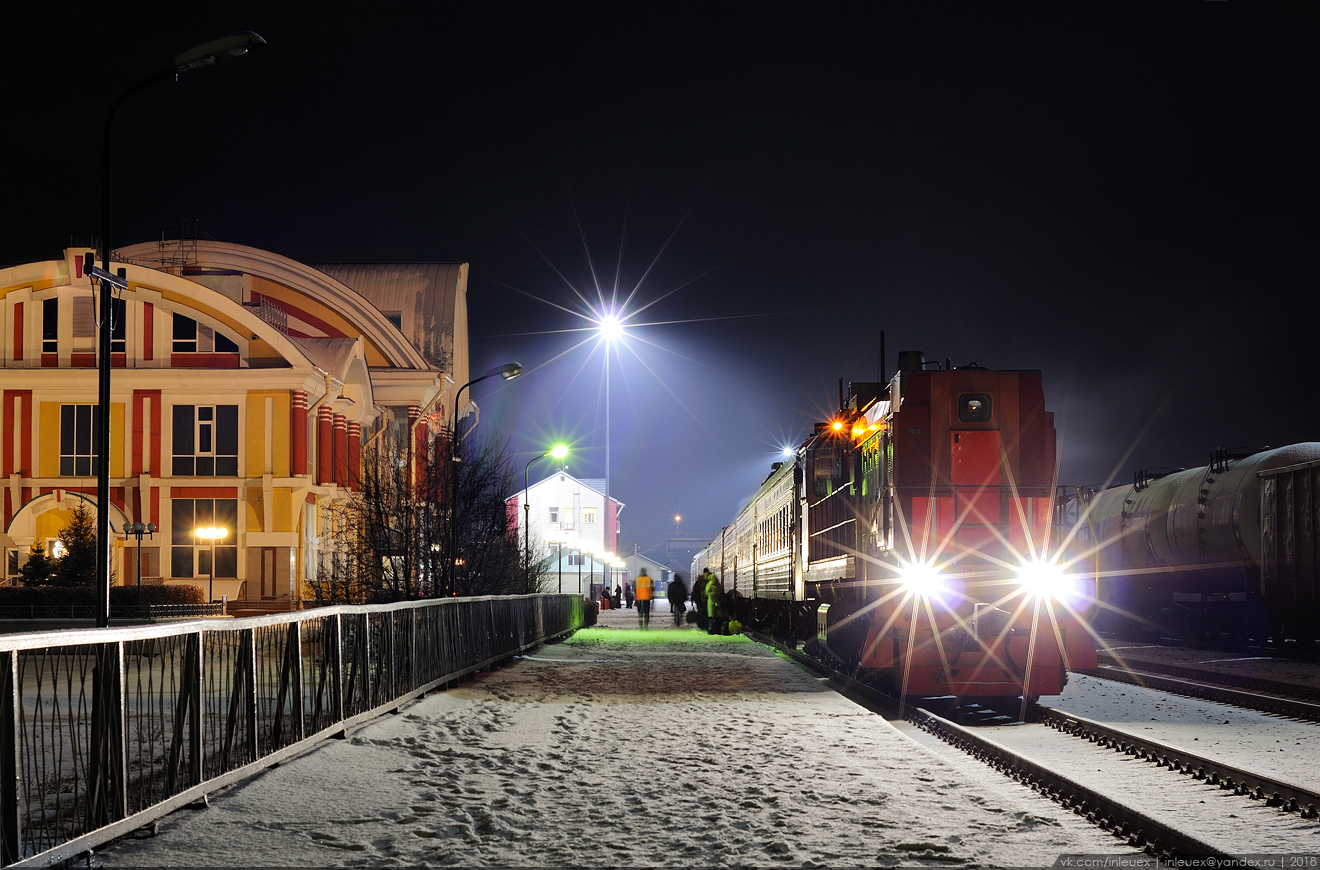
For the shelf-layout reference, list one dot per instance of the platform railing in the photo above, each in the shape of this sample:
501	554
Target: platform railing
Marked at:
103	731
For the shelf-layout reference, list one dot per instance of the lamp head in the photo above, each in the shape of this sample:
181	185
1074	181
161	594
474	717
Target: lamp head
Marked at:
218	51
508	371
559	451
611	327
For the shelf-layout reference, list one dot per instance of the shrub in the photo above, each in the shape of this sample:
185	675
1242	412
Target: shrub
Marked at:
158	595
57	596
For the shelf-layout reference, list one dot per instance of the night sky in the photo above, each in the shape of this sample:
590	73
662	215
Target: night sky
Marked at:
1123	196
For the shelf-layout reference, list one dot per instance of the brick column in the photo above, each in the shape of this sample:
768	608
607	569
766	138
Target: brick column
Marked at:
354	455
298	434
324	445
341	449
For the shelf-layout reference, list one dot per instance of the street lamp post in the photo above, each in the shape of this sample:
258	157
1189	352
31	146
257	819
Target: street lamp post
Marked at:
559	451
508	371
207	54
212	534
137	530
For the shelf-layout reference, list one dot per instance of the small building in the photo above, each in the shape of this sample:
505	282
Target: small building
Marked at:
659	573
565	512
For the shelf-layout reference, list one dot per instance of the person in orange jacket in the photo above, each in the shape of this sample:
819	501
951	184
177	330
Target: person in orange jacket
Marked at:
645	591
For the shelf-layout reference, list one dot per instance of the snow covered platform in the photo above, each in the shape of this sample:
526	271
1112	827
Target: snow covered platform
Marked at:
619	747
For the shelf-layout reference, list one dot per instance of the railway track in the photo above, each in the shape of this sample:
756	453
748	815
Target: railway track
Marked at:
1287	797
1205	675
1207	685
1133	826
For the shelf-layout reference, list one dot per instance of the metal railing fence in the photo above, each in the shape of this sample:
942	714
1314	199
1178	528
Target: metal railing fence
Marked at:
104	730
117	611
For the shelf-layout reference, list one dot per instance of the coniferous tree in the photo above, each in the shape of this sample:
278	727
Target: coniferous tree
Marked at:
39	567
77	567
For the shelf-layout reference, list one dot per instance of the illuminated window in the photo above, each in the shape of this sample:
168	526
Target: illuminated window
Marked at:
568	516
588	515
77	445
190	557
974	408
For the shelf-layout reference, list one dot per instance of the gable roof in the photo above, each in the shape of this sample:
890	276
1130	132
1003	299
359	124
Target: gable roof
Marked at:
589	483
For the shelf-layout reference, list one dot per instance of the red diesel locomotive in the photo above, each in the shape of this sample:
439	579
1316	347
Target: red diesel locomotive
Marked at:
911	540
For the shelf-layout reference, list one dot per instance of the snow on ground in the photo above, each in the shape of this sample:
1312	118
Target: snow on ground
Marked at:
621	747
1265	743
1276	746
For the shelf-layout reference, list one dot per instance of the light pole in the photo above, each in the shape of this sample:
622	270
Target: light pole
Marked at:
207	54
137	530
610	327
508	371
212	534
559	451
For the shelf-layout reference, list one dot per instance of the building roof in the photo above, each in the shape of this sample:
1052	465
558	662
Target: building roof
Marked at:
595	484
422	295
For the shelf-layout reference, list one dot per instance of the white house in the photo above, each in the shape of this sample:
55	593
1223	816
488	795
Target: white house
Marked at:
564	512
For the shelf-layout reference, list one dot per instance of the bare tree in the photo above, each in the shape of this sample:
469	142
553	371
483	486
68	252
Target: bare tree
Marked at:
390	539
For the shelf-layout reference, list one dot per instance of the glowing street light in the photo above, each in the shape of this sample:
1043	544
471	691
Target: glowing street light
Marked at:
212	534
559	451
611	328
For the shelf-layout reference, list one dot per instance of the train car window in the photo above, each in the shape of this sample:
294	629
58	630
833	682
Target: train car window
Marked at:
974	408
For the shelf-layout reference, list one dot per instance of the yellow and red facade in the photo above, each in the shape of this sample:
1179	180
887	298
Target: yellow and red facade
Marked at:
243	384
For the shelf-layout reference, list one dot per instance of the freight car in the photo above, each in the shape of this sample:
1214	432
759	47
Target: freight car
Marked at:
909	539
1226	550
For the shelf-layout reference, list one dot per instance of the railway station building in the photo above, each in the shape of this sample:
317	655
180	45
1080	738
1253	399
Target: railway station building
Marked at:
566	513
244	388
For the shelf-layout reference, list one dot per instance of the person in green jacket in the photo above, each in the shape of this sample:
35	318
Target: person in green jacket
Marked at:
699	596
714	600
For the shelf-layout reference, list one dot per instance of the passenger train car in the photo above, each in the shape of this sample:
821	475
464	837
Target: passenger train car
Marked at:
909	539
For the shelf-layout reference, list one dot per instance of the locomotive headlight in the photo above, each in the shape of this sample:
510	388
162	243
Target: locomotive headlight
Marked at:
921	578
1043	579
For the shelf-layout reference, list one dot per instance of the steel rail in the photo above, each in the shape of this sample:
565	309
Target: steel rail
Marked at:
1223	694
1290	798
1236	681
1136	828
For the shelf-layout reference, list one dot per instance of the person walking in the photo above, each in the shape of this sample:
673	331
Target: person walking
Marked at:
714	598
699	597
645	592
677	595
628	595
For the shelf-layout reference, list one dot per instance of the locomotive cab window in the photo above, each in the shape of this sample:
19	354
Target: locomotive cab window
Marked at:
974	408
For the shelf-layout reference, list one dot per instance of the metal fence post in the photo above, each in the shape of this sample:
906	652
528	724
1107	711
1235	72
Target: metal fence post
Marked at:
337	662
254	747
391	663
10	709
299	719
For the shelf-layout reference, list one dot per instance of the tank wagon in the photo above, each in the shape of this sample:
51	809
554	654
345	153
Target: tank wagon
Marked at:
909	539
1229	549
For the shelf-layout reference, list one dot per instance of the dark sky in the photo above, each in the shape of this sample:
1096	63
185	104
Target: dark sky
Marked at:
1121	195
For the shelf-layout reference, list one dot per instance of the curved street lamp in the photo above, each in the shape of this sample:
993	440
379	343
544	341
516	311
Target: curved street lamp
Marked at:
207	54
508	371
559	451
